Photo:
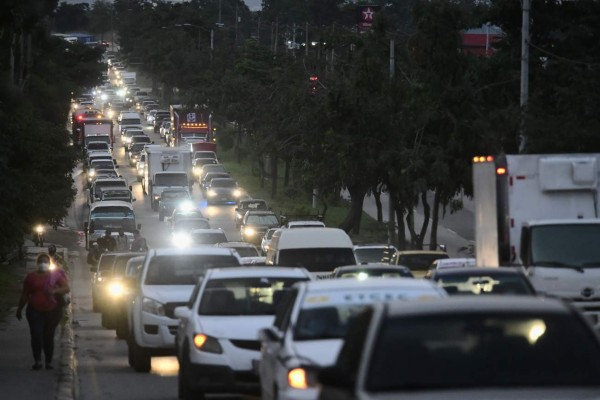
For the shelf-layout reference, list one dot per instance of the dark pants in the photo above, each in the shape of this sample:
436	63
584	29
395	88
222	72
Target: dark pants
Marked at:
42	325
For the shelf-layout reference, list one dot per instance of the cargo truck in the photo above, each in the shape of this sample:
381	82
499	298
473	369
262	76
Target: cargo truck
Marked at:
165	168
540	212
96	129
189	124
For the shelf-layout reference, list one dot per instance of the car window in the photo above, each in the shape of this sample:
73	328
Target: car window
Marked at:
254	219
484	284
194	294
492	349
106	262
247	251
418	262
208	238
284	309
243	296
184	269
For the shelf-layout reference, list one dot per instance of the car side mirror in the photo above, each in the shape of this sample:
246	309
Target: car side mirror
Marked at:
133	199
152	142
335	377
130	188
182	312
270	334
116	166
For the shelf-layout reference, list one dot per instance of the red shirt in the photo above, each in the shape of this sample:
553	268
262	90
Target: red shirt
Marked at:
36	287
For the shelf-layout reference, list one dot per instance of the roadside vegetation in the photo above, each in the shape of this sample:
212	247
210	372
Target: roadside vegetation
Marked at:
11	278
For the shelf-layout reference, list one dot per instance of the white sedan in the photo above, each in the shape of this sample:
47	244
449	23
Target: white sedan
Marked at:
310	326
217	338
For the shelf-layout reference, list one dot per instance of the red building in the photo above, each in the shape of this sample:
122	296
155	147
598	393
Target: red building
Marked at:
480	41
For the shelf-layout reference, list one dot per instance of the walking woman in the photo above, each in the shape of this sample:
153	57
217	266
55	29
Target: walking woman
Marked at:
39	290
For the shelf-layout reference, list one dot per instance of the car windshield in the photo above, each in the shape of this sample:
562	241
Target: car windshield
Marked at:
419	262
204	154
208	237
99	164
106	262
244	296
373	255
375	272
137	147
184	269
492	349
140	139
120	263
131	121
566	245
171	180
98	146
253	205
247	251
225	183
98	185
321	323
458	283
116	194
189	224
317	259
134	132
167	195
265	220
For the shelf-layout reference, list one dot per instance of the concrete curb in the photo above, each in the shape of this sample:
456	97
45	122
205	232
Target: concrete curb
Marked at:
67	388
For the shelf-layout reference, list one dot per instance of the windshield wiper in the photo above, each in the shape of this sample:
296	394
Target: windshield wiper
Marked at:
558	264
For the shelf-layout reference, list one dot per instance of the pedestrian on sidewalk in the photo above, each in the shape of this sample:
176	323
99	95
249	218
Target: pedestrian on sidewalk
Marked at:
39	290
139	242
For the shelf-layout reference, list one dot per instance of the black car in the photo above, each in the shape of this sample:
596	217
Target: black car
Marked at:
255	223
222	190
483	281
246	205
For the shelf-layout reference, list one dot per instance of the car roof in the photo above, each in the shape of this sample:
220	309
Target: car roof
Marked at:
110	203
235	244
207	230
369	283
479	271
374	246
412	252
207	250
257	272
371	266
260	212
479	304
119	188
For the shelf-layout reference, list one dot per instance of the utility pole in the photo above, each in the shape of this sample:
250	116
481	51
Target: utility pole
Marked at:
522	139
276	34
391	216
220	24
306	41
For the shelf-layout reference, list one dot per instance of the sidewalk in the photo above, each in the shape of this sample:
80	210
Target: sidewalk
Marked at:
17	379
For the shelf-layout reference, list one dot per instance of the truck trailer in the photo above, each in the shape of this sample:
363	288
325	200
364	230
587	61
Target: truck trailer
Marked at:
189	124
540	213
97	127
165	168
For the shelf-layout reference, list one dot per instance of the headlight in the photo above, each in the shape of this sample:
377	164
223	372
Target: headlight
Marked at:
104	97
212	193
237	193
153	307
127	140
92	172
249	231
300	378
196	171
39	229
207	343
157	197
52	266
181	239
116	289
75	106
111	114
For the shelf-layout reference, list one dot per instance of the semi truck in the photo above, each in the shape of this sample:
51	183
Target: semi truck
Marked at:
189	124
540	213
165	168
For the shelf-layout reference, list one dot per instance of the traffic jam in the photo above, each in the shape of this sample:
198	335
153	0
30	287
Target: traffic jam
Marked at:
185	265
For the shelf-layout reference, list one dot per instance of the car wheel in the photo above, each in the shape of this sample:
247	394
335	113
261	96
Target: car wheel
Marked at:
139	358
122	328
95	304
185	391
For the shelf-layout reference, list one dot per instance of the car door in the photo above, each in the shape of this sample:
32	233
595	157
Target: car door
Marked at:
273	351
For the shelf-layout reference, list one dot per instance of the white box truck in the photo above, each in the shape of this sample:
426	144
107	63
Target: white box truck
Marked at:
541	212
166	168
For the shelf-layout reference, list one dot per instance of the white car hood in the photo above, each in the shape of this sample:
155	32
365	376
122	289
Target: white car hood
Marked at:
322	353
168	293
566	282
234	327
